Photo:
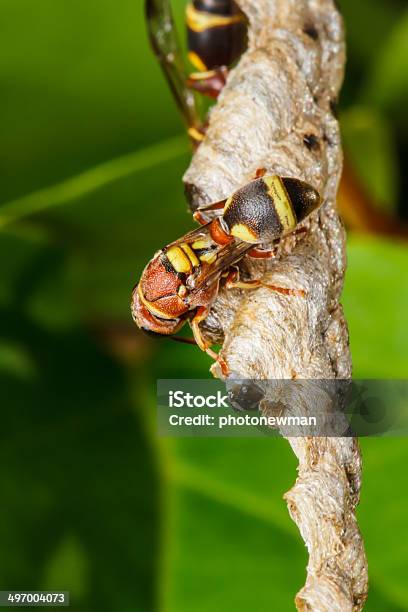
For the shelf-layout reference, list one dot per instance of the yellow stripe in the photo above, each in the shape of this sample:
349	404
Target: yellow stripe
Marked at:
191	255
201	244
243	232
202	76
182	291
195	134
197	61
179	260
282	203
228	204
199	21
209	258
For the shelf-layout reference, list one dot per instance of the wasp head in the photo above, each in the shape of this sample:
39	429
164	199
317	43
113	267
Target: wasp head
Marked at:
159	300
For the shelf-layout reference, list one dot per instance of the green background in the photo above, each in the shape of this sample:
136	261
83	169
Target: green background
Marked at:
91	161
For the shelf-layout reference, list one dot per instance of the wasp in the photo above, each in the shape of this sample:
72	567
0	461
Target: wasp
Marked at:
182	280
216	37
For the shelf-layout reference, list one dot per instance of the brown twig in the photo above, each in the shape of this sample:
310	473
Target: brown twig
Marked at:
276	113
361	214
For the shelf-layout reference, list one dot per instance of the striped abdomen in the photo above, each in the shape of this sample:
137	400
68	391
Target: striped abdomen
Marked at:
216	31
267	208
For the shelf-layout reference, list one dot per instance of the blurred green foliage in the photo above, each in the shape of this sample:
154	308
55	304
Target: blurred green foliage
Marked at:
92	157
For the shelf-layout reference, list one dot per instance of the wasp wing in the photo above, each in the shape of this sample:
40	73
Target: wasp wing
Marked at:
226	257
200	233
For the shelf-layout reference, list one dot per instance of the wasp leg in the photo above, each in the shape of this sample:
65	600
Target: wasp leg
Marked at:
284	290
200	218
200	316
260	173
208	83
300	231
257	253
196	134
233	282
214	206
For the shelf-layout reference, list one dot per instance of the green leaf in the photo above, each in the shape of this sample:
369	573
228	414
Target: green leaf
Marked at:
228	540
67	566
366	21
376	304
15	360
80	485
91	180
387	82
82	87
105	240
371	151
382	518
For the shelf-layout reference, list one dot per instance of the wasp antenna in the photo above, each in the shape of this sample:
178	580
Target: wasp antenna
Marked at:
182	340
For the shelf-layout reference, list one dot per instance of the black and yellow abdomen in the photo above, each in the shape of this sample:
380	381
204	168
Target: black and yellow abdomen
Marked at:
267	208
216	31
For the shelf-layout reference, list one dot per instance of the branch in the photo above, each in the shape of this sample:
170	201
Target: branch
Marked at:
276	112
362	214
